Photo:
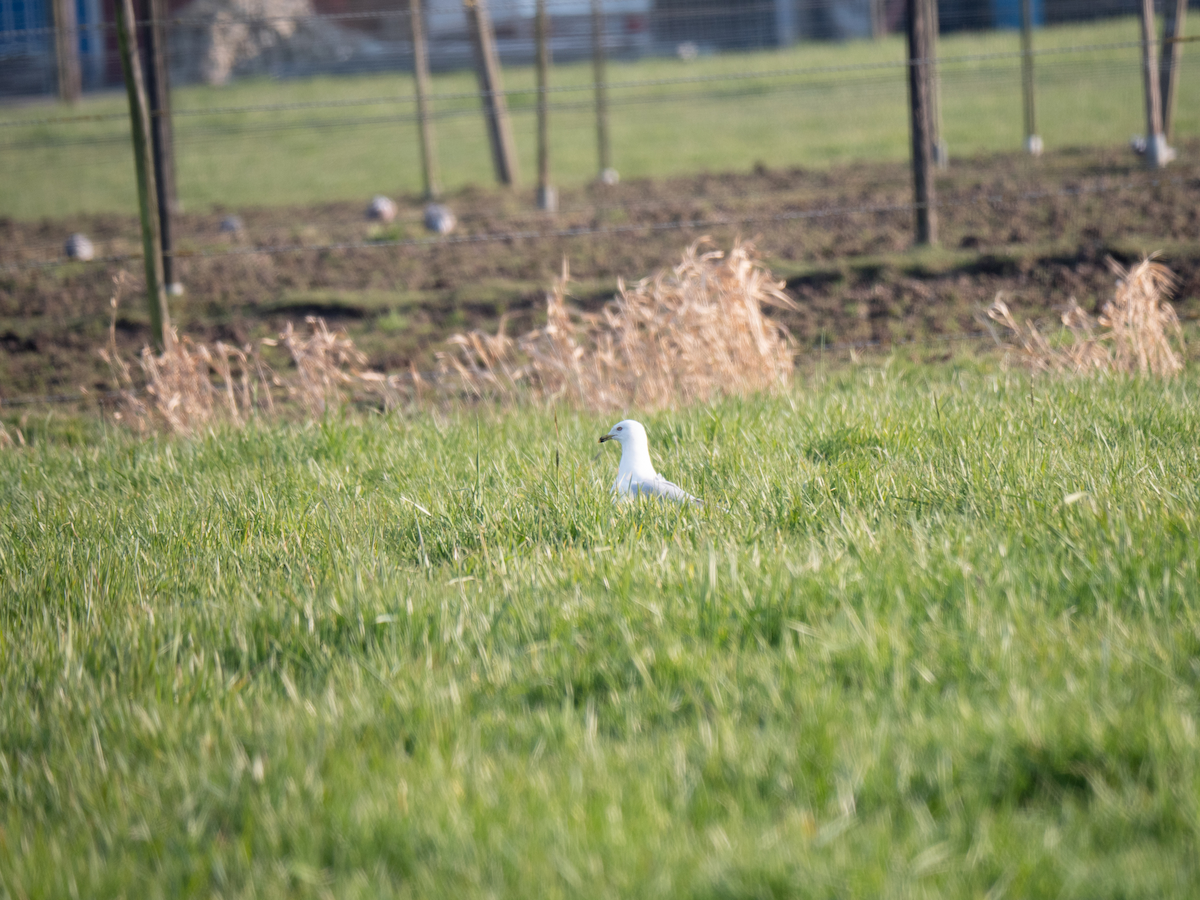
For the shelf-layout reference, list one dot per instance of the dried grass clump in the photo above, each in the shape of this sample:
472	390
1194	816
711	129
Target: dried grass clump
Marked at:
682	335
192	384
1133	334
326	362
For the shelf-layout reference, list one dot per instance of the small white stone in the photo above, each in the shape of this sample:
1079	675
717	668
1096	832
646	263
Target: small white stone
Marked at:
382	209
610	177
79	247
439	219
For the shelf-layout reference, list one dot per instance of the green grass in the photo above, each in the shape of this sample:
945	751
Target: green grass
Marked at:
1084	99
943	640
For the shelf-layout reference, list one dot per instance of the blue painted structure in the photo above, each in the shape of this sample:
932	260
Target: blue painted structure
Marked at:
1007	13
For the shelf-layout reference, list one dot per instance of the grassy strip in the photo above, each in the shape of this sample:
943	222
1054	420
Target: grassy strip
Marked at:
937	632
817	119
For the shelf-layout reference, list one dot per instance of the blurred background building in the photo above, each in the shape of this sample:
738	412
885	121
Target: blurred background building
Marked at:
215	40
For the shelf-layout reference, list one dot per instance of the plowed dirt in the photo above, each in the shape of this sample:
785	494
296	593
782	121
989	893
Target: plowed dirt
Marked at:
1037	231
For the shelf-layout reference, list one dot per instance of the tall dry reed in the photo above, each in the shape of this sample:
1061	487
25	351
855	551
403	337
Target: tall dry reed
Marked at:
684	334
191	384
1133	334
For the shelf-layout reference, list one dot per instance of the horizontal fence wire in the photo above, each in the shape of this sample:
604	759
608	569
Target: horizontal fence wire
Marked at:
957	20
694	224
879	75
499	11
590	87
808	354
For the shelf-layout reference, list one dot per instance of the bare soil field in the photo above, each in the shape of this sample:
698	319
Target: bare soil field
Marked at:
1037	231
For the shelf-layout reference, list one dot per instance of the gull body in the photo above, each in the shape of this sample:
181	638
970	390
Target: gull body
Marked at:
635	475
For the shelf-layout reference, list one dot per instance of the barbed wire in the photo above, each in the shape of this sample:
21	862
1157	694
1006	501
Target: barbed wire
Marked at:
224	131
993	64
810	353
689	224
590	86
949	24
417	217
503	11
50	399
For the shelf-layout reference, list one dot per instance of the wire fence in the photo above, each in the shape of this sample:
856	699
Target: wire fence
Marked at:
839	350
676	67
1139	184
314	108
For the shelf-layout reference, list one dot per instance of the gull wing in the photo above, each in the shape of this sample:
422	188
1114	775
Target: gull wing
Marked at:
660	487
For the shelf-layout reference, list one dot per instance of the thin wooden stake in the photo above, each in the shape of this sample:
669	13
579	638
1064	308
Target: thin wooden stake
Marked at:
919	121
158	94
487	68
600	76
878	19
66	47
1168	69
546	197
429	162
1156	144
941	150
1033	142
139	122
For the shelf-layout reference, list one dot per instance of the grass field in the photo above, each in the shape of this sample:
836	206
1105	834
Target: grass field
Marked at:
308	156
936	633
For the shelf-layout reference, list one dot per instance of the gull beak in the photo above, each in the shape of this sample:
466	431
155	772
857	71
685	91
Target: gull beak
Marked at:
606	437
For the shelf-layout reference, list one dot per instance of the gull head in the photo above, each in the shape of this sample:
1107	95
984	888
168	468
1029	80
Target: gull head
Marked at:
627	432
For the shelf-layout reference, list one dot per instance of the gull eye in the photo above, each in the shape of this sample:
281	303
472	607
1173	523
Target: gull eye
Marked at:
619	428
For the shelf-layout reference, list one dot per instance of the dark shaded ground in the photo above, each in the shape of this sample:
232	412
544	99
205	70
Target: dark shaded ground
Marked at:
1036	230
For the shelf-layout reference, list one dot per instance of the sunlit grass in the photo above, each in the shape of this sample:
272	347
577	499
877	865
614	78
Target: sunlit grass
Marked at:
935	632
816	119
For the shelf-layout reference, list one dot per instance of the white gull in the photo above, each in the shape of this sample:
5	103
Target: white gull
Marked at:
636	476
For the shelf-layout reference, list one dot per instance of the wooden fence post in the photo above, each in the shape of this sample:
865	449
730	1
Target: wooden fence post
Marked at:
600	76
878	19
1033	141
547	198
1156	144
937	140
487	67
429	163
139	121
66	47
919	118
158	91
1168	69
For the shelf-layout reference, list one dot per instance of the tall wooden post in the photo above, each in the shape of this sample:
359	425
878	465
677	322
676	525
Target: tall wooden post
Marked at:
600	76
158	94
937	140
547	198
66	47
785	22
1033	141
878	19
1168	69
1156	144
139	120
429	163
487	68
919	117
